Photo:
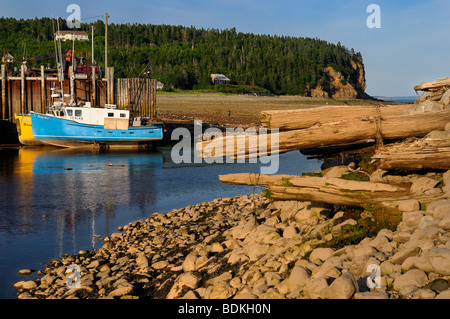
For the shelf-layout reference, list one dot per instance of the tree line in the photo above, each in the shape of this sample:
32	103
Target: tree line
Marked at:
184	57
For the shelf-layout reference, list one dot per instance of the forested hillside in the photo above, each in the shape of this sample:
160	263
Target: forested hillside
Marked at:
184	57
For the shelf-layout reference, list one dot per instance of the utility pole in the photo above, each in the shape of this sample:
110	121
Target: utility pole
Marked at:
92	38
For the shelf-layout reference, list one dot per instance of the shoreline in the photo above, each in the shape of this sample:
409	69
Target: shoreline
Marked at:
253	248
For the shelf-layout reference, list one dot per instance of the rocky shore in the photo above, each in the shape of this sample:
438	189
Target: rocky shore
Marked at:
254	248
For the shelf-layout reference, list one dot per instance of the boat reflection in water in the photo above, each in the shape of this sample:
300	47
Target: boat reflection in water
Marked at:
66	188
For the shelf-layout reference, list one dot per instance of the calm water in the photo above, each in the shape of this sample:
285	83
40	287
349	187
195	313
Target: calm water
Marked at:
52	201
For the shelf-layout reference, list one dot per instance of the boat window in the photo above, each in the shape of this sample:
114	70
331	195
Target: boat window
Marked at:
110	114
69	112
61	113
77	112
123	115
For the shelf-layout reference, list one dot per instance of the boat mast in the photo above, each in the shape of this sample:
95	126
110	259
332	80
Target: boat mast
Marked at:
72	73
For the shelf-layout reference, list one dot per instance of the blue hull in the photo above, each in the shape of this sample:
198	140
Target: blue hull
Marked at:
67	133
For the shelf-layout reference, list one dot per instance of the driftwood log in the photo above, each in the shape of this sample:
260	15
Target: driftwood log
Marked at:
330	190
439	84
320	189
430	152
304	118
328	134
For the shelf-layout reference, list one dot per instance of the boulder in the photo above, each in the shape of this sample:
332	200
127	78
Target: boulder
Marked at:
445	99
316	288
440	260
413	277
343	287
187	279
439	209
422	184
409	205
319	255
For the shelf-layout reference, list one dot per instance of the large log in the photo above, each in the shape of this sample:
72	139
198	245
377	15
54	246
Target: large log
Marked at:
439	159
320	189
439	84
329	134
430	152
304	118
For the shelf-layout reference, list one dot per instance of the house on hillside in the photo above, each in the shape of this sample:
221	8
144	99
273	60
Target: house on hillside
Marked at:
70	35
159	85
219	78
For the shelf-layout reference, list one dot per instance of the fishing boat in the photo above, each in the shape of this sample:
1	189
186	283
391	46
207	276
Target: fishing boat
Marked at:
25	132
68	124
78	126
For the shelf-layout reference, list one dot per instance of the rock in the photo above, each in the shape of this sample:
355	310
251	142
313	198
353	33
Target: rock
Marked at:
444	294
409	205
288	208
439	209
316	288
121	291
25	272
187	279
439	285
142	261
216	247
319	255
343	287
413	218
402	254
160	264
189	263
445	223
422	184
440	260
298	278
336	230
25	285
446	98
413	277
290	232
302	215
222	290
423	294
242	231
371	295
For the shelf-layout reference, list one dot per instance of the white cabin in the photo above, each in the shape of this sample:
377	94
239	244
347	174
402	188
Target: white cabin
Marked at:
91	115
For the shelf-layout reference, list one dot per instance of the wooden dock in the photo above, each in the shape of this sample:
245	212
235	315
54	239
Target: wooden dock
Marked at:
23	94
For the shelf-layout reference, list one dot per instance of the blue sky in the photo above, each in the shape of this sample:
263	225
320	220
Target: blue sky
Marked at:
412	45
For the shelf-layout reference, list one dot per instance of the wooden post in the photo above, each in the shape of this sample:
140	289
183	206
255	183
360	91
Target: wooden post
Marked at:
4	108
43	95
110	85
22	90
93	86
